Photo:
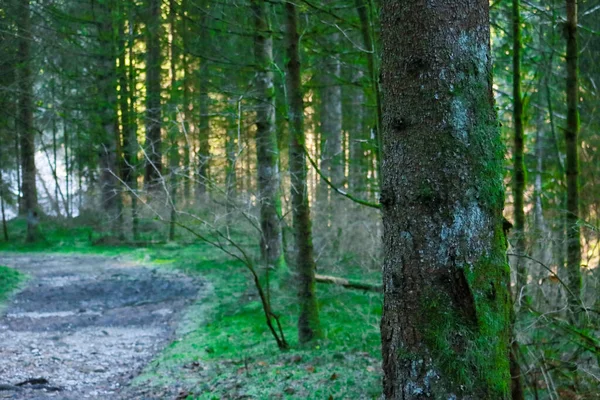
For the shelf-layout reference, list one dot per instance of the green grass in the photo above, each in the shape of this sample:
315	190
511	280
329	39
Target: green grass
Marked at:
229	352
224	348
10	279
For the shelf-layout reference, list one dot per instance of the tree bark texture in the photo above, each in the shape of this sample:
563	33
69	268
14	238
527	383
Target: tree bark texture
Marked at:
308	321
572	167
153	143
518	155
26	130
267	151
446	319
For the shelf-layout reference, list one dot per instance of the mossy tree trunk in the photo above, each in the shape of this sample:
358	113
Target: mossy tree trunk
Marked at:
153	143
518	153
308	321
25	125
446	319
267	150
572	167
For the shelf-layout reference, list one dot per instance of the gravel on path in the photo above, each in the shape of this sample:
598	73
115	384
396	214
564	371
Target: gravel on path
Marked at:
87	325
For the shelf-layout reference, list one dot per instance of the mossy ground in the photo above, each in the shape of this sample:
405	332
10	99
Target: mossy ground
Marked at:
224	348
10	279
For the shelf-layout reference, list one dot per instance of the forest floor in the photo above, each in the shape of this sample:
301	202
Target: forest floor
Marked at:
84	326
172	321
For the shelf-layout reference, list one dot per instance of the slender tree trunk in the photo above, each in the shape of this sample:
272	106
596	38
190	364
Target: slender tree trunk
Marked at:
267	151
153	104
308	322
364	11
446	317
572	143
133	144
68	167
331	124
174	126
186	104
518	157
130	143
358	138
109	134
26	131
55	149
2	194
230	170
20	206
203	109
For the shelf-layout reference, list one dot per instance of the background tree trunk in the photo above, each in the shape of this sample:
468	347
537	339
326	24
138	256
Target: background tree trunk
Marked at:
25	117
153	105
308	321
203	110
572	167
446	317
126	87
331	123
107	84
267	151
174	123
518	155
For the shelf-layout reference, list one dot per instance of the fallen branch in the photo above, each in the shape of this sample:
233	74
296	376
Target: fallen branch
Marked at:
334	280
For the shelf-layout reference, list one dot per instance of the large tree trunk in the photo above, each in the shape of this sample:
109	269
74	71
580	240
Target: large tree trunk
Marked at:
109	137
26	130
572	167
153	105
446	317
308	321
267	151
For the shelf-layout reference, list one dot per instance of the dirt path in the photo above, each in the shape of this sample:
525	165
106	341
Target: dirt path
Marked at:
87	325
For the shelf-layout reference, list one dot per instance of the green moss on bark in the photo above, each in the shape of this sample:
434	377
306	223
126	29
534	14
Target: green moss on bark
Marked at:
464	348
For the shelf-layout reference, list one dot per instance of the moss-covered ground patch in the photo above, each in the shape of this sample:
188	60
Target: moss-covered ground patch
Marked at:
10	279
